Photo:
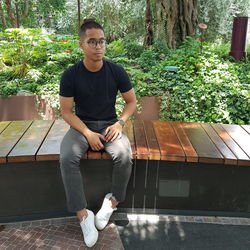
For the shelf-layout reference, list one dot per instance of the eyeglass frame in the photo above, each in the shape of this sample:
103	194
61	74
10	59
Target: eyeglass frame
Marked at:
96	42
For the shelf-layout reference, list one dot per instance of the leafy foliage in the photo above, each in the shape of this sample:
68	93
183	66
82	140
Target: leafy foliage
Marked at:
208	87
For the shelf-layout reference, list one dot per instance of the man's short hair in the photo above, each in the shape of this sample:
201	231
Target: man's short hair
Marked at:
88	24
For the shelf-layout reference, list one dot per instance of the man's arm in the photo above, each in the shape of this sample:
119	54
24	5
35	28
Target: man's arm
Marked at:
114	130
130	106
66	105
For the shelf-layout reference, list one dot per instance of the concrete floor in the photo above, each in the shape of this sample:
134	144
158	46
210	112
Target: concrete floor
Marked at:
132	232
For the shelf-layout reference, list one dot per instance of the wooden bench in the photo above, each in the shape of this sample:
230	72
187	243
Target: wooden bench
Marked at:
178	166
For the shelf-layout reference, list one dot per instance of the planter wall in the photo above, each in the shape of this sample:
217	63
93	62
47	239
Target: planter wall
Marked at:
30	107
33	107
150	108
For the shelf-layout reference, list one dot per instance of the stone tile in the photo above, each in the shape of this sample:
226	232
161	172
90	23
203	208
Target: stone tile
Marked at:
65	233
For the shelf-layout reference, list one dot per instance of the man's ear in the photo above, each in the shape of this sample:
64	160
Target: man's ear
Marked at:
80	44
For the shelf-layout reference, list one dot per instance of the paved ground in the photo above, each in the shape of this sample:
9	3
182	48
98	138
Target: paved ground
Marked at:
132	232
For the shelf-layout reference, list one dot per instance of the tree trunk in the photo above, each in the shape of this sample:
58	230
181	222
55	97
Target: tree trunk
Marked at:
11	14
187	17
79	14
178	17
26	11
149	37
159	26
17	15
2	16
170	8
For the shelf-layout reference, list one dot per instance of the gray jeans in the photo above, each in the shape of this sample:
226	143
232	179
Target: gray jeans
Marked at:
74	145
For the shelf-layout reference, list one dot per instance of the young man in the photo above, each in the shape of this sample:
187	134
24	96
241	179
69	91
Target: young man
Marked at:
92	84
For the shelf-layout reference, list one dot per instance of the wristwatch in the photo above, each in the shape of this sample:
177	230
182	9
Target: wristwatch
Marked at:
121	122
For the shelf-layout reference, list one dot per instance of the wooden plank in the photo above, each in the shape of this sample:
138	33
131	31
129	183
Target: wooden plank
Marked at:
246	127
242	158
191	155
229	157
205	148
94	154
170	147
50	148
142	151
30	142
10	136
153	146
16	128
239	135
3	125
129	131
105	155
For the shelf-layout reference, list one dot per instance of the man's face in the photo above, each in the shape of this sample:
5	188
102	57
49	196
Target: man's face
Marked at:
93	51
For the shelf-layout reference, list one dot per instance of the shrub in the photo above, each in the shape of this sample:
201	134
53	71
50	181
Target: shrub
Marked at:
147	59
133	50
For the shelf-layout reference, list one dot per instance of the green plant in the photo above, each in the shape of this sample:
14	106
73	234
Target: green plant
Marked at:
133	50
160	47
148	59
116	49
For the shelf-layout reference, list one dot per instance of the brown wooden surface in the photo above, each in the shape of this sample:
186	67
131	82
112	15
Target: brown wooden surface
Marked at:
170	147
229	157
142	151
50	149
154	140
246	127
28	145
240	135
3	125
191	155
242	158
153	146
94	154
205	148
10	136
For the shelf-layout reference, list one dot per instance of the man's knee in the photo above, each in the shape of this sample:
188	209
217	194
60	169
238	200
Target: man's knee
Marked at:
122	155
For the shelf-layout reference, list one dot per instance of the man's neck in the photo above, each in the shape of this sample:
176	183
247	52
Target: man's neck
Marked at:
92	65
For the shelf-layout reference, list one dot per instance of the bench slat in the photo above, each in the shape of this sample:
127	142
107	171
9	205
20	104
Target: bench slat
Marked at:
10	136
187	146
170	147
50	148
153	146
30	142
154	140
205	148
230	158
93	154
3	125
239	135
140	140
129	131
243	159
246	127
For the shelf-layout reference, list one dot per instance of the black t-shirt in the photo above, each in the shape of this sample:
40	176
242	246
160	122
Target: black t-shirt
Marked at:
94	92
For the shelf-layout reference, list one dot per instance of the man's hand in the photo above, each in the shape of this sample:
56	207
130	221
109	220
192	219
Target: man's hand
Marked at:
113	131
94	140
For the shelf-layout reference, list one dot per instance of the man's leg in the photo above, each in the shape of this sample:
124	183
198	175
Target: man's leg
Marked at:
73	146
121	153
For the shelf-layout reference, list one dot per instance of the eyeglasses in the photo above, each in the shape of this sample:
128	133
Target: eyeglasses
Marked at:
93	43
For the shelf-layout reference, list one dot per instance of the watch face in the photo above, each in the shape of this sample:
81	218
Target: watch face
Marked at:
121	122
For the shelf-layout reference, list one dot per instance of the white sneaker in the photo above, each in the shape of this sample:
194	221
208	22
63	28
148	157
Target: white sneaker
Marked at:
90	234
103	215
